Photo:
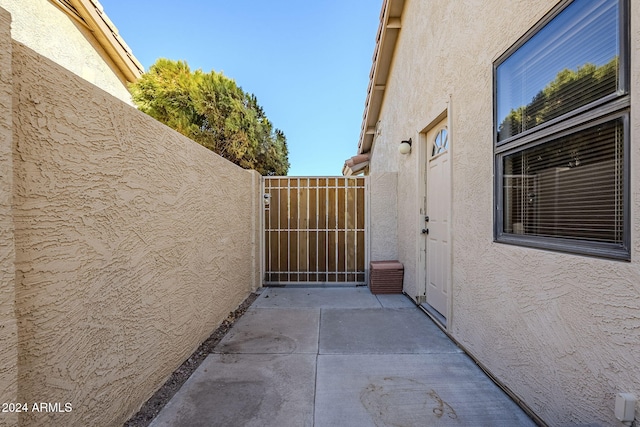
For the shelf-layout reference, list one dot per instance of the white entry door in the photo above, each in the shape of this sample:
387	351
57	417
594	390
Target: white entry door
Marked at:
438	210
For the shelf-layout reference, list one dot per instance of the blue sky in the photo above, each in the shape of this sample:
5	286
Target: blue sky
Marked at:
307	62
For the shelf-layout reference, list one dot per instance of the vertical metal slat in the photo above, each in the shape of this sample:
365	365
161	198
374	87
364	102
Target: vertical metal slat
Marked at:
349	270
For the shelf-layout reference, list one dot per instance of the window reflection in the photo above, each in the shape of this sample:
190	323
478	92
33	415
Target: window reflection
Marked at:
572	62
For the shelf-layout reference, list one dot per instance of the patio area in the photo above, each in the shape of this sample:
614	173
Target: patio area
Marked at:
338	357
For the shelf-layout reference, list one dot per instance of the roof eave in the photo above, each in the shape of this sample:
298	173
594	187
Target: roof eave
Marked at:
388	31
107	36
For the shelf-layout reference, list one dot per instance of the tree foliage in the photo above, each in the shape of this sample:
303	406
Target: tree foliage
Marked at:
213	111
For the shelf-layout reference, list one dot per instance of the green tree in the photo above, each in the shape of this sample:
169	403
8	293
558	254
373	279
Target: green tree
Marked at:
213	111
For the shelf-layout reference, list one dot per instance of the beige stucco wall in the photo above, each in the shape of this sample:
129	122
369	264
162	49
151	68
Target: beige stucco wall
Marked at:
133	243
383	206
47	30
8	325
383	228
562	331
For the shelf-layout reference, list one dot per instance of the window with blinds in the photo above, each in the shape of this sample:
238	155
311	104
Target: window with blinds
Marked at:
561	133
569	187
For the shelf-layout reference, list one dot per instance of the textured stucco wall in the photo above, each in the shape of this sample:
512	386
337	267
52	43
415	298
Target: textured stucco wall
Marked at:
8	325
383	201
46	29
132	244
383	228
562	331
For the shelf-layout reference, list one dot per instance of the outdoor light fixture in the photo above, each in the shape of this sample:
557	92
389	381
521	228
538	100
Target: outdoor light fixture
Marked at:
405	147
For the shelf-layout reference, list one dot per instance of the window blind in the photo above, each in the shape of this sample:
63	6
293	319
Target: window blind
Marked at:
569	187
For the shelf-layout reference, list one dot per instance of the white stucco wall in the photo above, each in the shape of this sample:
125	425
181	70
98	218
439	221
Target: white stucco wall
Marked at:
47	30
132	244
562	331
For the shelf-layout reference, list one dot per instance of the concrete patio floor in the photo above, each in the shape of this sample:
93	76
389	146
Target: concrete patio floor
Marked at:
338	357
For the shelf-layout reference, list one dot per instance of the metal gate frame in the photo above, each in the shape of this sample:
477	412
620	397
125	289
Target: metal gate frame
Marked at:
323	234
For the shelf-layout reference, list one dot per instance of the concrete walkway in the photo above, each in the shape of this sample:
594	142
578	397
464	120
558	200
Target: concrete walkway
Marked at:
338	357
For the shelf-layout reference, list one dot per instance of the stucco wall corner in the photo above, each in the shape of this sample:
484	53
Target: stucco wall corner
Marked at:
8	325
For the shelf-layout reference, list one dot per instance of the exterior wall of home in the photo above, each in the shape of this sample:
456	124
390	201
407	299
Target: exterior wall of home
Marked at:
383	201
132	244
8	325
561	331
47	30
384	225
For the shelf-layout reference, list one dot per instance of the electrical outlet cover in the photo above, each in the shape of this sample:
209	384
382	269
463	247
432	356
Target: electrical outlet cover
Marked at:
625	407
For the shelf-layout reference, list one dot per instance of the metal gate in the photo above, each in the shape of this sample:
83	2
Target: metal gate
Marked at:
314	230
